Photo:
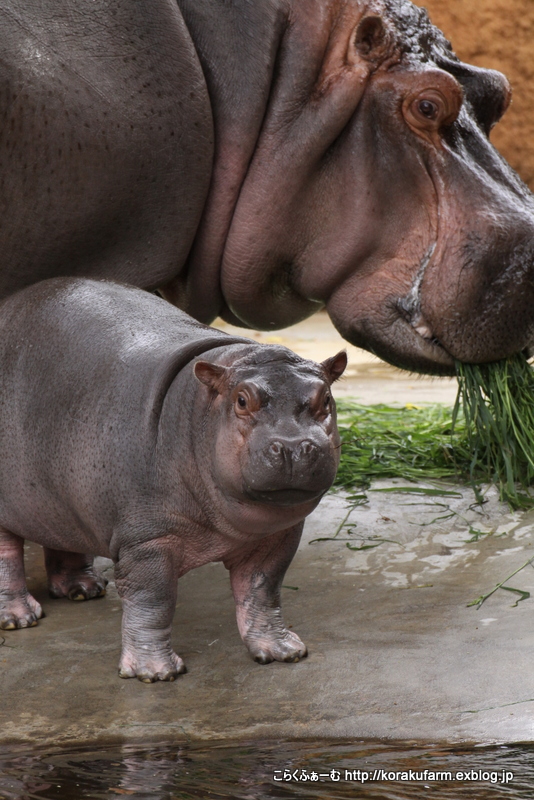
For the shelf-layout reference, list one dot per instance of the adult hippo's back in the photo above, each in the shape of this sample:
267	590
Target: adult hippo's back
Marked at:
262	160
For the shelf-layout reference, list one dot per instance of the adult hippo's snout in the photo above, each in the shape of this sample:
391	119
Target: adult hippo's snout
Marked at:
476	296
402	220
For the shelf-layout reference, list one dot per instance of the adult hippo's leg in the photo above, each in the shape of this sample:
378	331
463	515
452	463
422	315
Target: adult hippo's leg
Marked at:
146	577
256	576
72	575
18	609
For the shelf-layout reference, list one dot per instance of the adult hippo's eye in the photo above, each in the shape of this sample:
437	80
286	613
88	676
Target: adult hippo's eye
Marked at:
425	110
428	109
241	401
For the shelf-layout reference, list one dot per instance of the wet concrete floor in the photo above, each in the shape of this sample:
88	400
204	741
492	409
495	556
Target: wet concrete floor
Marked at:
394	650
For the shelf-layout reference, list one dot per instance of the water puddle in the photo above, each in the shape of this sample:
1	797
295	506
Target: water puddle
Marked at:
265	770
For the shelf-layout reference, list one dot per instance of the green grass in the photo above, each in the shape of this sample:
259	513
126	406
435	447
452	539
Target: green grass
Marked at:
382	441
487	437
496	402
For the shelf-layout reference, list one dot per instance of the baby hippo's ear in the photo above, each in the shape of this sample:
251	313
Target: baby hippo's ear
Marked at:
335	366
211	374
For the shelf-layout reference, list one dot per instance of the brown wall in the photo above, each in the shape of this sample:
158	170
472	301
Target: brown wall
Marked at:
498	34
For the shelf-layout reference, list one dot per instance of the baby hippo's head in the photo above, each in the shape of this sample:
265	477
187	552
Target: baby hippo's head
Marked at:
275	439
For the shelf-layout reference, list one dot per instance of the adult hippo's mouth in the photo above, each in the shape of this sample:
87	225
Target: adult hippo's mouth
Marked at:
391	324
409	343
416	337
409	309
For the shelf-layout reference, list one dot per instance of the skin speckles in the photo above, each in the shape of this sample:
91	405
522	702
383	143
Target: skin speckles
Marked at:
108	147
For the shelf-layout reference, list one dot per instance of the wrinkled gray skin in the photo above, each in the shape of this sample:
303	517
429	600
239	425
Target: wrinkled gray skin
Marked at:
261	160
129	430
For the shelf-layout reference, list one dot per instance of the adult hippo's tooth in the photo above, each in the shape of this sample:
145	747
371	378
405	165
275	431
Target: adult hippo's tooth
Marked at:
422	327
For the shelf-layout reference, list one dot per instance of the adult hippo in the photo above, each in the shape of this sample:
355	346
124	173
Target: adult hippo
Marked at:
261	160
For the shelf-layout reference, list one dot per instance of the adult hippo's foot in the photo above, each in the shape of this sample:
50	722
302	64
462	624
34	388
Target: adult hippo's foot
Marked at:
151	667
18	609
72	575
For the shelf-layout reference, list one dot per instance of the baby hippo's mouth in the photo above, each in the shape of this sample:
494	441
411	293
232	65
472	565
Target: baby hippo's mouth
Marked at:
284	497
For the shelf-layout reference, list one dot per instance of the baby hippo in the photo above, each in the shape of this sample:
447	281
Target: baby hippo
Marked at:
129	430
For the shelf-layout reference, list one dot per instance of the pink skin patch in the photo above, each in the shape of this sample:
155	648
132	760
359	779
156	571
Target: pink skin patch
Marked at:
18	609
72	575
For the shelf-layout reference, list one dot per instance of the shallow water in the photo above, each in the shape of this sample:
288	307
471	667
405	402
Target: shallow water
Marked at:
275	769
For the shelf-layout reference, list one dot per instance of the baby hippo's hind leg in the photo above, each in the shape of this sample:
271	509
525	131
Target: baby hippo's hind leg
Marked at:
256	576
72	575
18	609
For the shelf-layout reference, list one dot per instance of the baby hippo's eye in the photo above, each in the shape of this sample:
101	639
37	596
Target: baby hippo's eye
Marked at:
247	402
326	401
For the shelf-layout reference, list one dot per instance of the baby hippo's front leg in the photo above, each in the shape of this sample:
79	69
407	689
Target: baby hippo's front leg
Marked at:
256	576
146	579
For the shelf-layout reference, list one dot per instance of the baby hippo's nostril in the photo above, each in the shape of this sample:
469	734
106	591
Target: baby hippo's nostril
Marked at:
307	447
291	451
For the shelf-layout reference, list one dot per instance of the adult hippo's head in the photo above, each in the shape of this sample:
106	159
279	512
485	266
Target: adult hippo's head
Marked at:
363	180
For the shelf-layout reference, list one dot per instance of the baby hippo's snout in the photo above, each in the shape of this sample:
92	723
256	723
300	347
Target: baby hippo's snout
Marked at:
289	470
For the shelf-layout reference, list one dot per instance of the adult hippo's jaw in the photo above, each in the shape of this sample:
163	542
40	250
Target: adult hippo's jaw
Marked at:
372	189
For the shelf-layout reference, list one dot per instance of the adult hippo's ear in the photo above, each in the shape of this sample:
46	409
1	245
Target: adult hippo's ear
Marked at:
335	366
372	40
212	375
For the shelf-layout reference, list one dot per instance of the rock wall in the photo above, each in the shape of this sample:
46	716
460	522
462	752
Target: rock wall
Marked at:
498	34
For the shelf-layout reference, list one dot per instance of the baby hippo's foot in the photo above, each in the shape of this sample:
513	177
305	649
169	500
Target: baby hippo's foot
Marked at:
81	585
19	610
152	666
284	646
72	575
77	586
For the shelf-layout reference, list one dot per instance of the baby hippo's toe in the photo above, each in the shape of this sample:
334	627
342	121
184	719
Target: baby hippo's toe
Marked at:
21	611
